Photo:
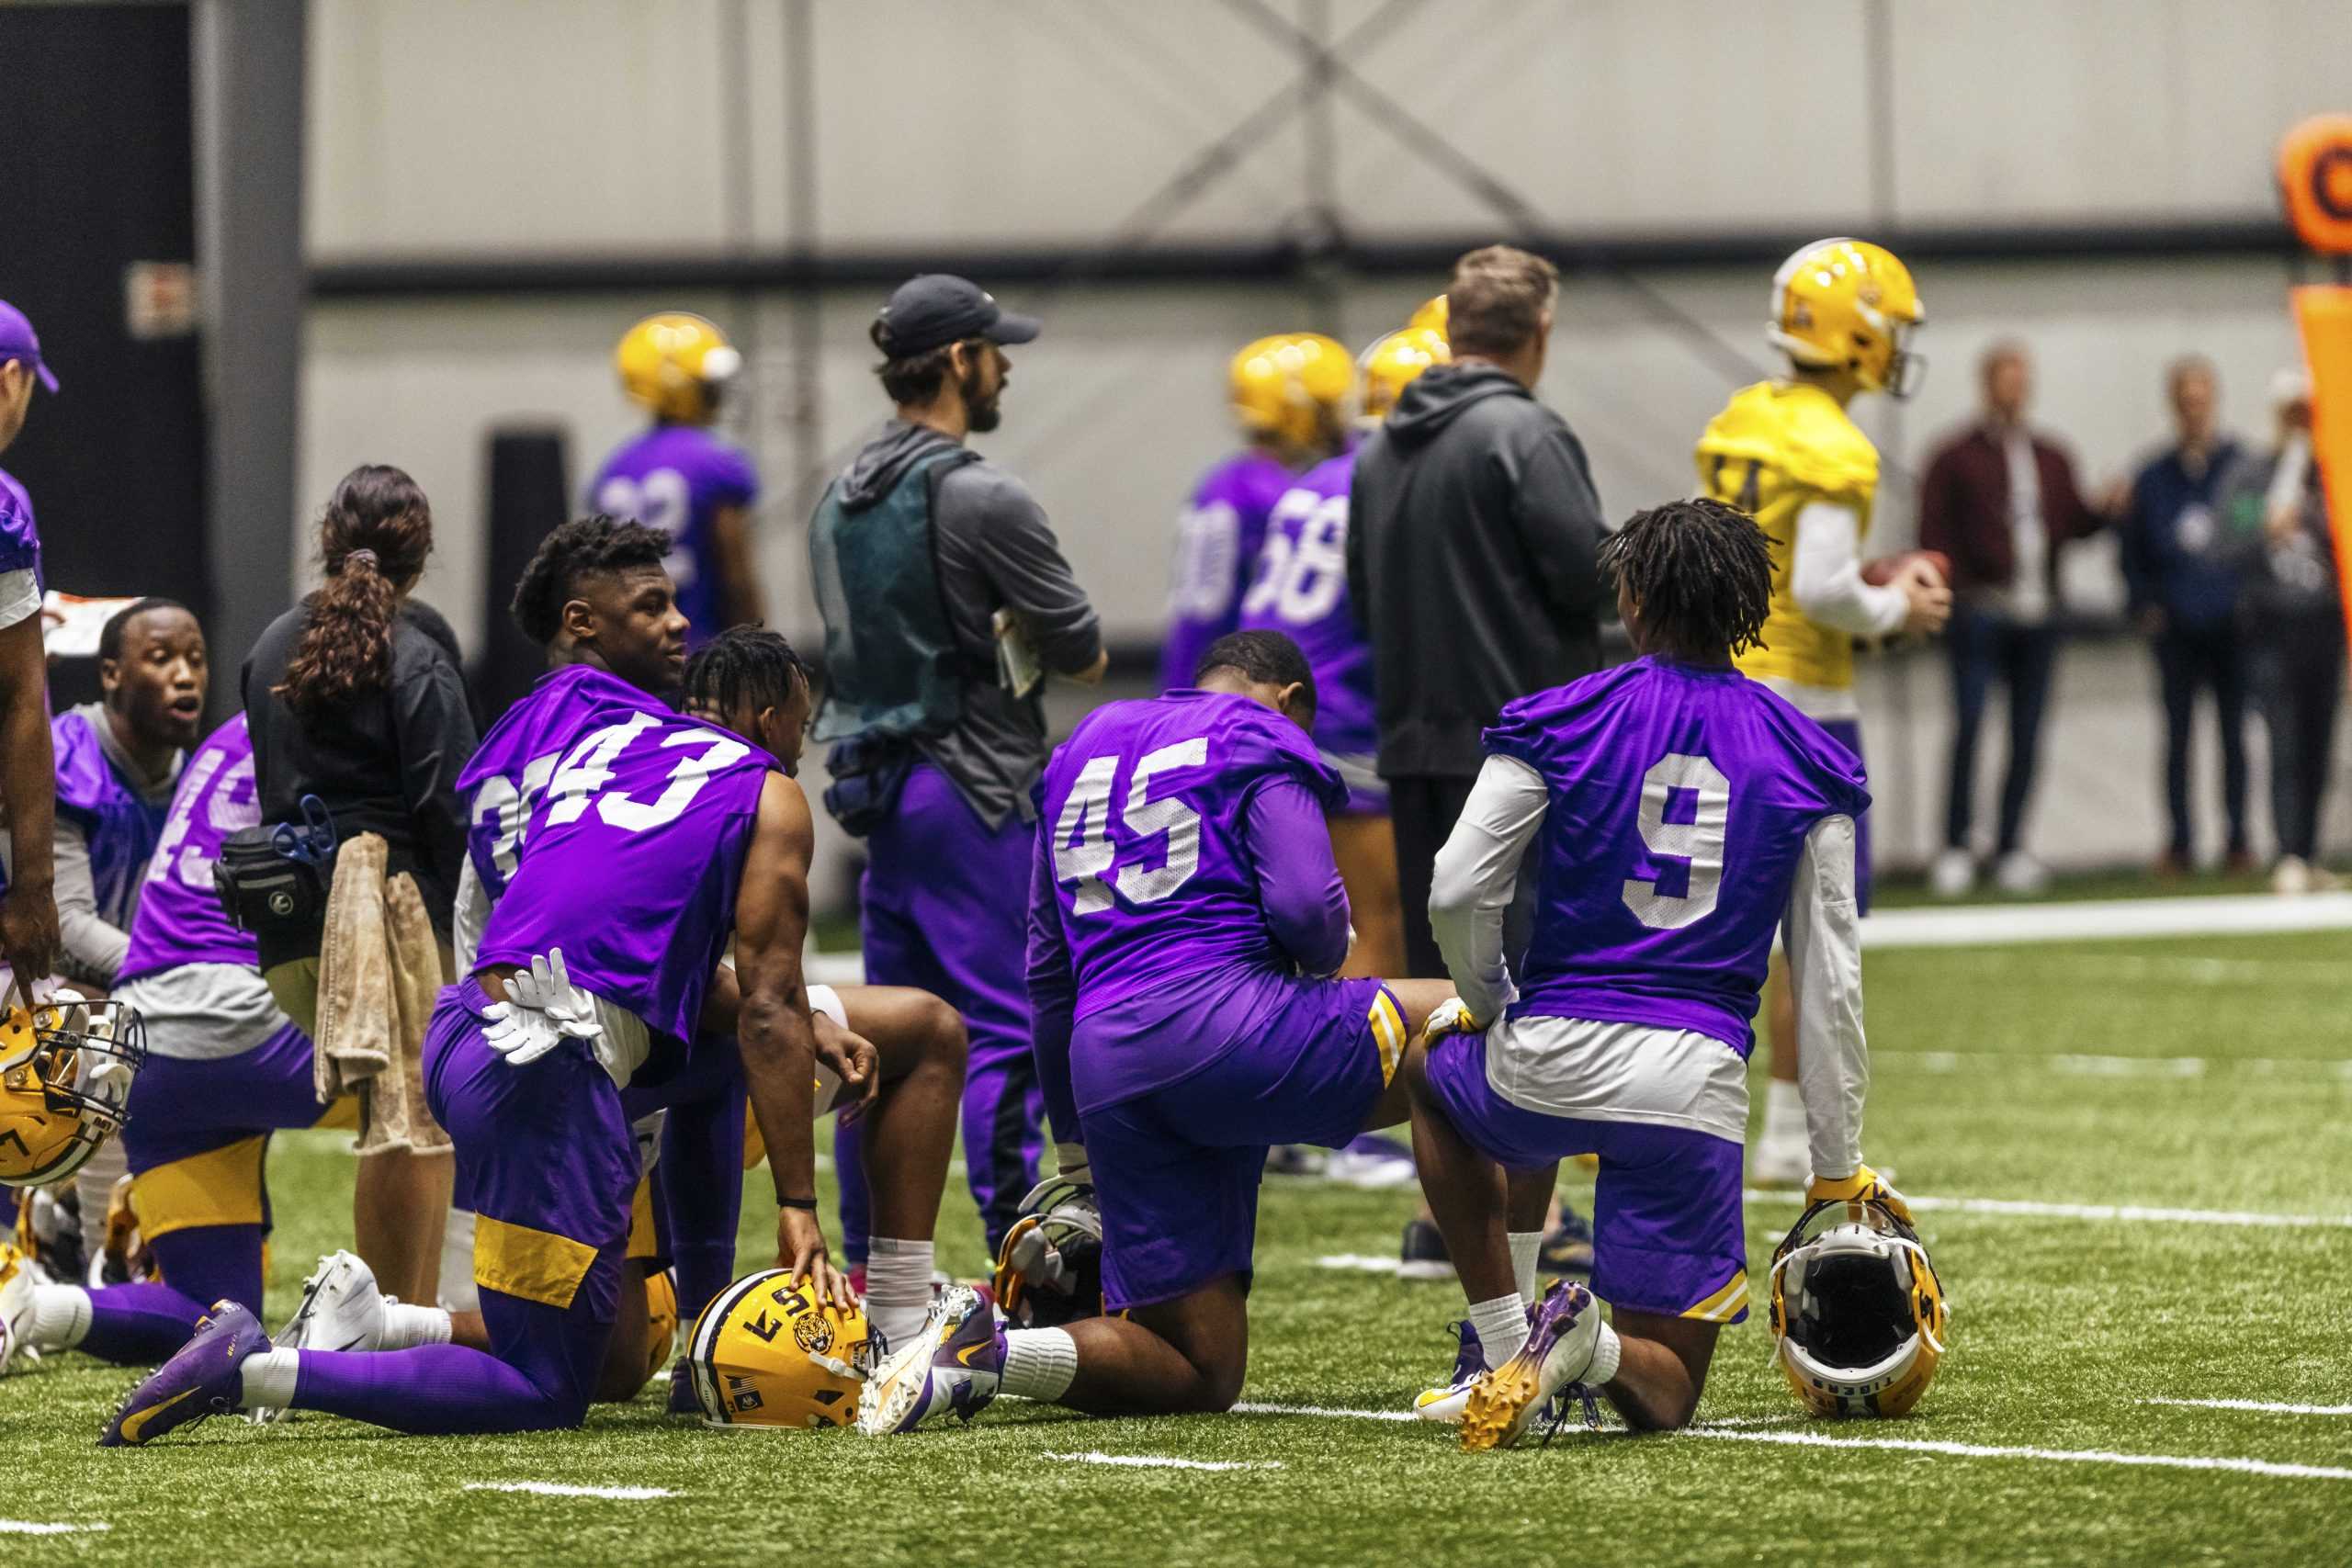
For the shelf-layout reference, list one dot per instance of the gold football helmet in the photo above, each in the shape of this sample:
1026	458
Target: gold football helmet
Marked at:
767	1352
65	1072
662	1312
1848	304
1429	316
1294	388
675	365
1390	364
1859	1317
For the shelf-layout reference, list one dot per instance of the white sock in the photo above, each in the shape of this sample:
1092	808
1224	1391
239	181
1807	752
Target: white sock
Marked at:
406	1326
1605	1352
1783	1113
897	1287
61	1317
270	1378
1038	1362
1524	1246
1502	1327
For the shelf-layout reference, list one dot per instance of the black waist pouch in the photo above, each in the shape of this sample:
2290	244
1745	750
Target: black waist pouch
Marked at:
273	883
868	773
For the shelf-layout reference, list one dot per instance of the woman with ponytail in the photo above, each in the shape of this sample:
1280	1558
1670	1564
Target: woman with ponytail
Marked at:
354	696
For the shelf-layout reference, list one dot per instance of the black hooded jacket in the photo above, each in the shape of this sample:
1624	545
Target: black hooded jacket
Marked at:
1472	528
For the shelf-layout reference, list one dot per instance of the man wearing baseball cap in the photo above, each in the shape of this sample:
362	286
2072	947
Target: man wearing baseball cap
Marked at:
946	597
28	937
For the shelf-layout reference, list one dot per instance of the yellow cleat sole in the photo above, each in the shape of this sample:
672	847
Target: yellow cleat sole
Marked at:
1498	1408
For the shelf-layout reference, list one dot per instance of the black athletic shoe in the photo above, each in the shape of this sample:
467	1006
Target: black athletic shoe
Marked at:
1568	1247
1424	1255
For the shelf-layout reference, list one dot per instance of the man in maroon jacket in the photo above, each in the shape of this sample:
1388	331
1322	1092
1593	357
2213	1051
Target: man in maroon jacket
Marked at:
2000	500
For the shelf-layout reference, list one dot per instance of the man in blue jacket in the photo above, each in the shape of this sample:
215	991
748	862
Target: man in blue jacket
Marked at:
2184	581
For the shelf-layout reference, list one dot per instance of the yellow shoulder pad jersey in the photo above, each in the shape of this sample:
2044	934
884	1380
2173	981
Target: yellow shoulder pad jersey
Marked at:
1778	447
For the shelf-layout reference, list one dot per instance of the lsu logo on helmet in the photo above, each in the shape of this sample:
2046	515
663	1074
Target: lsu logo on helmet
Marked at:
769	1353
1294	388
1389	366
1847	304
675	365
65	1072
1859	1317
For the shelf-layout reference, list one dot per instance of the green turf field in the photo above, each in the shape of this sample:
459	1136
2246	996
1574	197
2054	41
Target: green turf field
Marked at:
2207	1075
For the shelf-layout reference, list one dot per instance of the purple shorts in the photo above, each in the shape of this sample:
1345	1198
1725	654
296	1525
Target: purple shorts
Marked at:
1176	1169
1848	732
1667	1231
546	1160
197	1132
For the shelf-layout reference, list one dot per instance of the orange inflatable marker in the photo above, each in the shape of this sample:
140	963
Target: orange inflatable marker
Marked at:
2316	182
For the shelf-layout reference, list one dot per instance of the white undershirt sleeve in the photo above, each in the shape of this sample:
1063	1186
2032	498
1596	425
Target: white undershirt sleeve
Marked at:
472	914
1825	949
19	597
1826	579
1477	873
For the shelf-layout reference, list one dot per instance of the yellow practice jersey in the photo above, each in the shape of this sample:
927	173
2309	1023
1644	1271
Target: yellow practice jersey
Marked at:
1778	447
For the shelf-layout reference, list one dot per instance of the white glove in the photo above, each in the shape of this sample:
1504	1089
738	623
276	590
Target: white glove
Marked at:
545	1010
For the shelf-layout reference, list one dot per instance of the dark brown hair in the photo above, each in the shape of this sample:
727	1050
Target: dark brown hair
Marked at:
916	377
1496	300
374	538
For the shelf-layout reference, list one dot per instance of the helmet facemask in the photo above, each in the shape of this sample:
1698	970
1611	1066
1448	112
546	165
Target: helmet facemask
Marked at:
1858	1311
65	1076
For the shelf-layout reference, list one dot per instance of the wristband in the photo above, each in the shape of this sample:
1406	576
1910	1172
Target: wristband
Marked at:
808	1204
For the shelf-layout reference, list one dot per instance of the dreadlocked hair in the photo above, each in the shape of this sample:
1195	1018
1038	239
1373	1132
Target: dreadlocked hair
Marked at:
373	540
578	548
744	667
1702	573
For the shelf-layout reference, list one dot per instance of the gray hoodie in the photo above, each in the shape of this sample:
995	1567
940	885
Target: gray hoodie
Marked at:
994	551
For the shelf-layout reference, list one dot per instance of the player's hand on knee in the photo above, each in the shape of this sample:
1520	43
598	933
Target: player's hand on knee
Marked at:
851	1057
1864	1185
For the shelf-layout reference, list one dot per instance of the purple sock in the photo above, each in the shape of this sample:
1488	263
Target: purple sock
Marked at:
432	1388
856	1199
139	1324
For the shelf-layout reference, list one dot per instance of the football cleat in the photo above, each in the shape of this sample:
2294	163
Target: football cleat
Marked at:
1372	1164
1444	1402
18	1304
1859	1317
341	1308
952	1366
1566	1247
203	1379
1563	1344
1423	1254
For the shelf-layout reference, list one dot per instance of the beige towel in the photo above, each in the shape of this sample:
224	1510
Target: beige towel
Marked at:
378	972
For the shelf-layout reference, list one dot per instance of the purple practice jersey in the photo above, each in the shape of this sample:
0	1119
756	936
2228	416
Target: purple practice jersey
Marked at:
1681	798
1145	802
19	541
121	828
1301	590
1217	540
676	478
179	919
609	826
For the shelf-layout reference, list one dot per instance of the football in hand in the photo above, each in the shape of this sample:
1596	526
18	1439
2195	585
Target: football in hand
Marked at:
1886	569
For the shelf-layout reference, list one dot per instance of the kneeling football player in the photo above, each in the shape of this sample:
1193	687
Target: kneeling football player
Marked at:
1185	909
1674	813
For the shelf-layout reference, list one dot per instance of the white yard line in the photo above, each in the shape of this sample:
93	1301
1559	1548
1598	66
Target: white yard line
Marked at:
2058	1456
1157	1461
2127	1214
27	1526
1737	1430
1357	1263
2006	925
2262	1404
557	1489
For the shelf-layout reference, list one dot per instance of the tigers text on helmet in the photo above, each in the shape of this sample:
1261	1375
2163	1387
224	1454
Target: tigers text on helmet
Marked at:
1293	388
1390	364
1859	1317
1848	305
65	1072
767	1352
676	364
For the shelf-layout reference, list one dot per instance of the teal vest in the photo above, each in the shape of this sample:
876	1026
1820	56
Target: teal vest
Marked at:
892	666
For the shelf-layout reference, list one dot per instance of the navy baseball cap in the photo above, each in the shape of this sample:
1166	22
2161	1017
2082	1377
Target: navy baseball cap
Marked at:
18	341
938	309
